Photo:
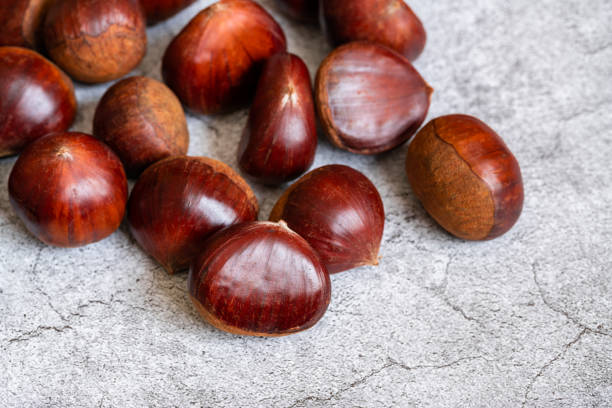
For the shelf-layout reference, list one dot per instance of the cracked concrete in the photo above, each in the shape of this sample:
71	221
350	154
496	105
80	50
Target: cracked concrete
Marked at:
521	321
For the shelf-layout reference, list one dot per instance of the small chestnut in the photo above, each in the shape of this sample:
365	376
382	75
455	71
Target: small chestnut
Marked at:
259	279
339	212
369	98
21	22
465	177
280	138
214	63
36	98
158	10
301	10
142	121
96	41
178	202
387	22
69	189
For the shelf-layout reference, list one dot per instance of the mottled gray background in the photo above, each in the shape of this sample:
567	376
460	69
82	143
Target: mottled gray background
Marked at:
525	320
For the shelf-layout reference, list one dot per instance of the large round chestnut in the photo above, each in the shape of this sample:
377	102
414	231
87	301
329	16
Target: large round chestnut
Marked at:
179	202
370	99
387	22
465	177
69	189
259	279
21	22
36	98
214	63
280	138
300	10
96	41
143	122
339	212
158	10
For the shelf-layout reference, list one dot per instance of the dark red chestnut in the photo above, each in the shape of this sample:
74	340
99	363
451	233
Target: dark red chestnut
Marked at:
259	279
300	10
369	98
143	122
339	212
179	202
387	22
96	41
158	10
21	21
36	98
280	138
214	63
69	189
465	177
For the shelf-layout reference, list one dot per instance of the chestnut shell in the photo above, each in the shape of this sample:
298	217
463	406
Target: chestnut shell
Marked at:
158	10
21	22
339	212
259	279
466	177
36	98
69	189
178	202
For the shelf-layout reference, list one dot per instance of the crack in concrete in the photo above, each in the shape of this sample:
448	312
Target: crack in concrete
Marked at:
38	332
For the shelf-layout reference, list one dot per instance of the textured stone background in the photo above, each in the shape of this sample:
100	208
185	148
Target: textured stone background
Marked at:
525	320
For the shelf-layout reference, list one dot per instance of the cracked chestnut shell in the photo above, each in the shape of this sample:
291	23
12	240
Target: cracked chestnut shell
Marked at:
36	98
369	98
158	10
259	279
280	138
96	41
69	189
143	122
179	202
301	10
388	22
339	212
213	64
466	177
21	22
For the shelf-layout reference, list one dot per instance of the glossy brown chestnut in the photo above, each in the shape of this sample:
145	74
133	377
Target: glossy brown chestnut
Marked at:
21	22
36	98
96	41
259	279
69	189
179	202
158	10
143	122
300	10
280	138
339	212
369	98
214	63
465	177
388	22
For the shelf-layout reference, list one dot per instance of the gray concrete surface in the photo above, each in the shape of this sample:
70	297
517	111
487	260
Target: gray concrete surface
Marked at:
522	321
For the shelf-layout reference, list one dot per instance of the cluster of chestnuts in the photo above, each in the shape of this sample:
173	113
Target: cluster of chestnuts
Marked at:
245	276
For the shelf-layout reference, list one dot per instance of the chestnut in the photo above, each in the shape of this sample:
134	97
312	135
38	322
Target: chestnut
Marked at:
21	21
369	98
465	177
339	212
301	10
158	10
259	279
387	22
280	138
214	63
96	41
36	98
142	121
69	189
178	202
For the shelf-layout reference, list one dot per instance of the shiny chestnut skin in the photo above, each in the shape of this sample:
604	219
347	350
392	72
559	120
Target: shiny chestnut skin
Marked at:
143	122
301	10
21	22
280	138
369	98
259	279
339	212
214	63
36	98
158	10
179	202
388	22
96	40
466	177
69	189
